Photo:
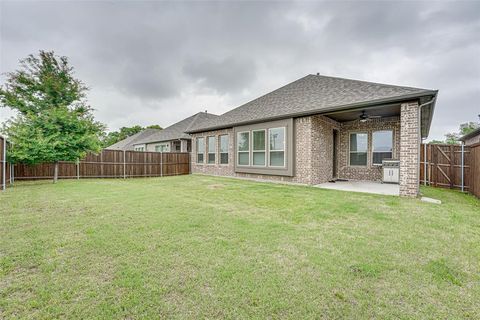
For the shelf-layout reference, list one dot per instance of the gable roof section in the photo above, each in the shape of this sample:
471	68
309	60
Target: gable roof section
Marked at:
129	142
177	130
312	94
470	135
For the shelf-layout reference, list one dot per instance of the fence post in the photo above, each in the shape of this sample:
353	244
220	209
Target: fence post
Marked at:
124	166
424	164
463	164
4	164
78	168
161	164
12	173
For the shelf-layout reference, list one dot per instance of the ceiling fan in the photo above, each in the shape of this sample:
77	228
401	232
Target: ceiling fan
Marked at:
364	117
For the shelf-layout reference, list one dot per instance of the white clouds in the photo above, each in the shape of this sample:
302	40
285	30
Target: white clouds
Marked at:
158	62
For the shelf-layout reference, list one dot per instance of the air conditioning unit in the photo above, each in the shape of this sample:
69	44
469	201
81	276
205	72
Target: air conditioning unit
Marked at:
391	171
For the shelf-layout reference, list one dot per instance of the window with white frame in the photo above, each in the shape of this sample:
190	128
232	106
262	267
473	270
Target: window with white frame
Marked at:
358	149
259	148
243	148
211	150
382	146
162	147
223	149
139	148
276	147
200	149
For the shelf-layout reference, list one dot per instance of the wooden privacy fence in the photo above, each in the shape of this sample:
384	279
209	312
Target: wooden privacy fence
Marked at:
451	166
475	169
5	172
111	164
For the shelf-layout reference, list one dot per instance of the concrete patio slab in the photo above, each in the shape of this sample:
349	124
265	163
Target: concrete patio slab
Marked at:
362	186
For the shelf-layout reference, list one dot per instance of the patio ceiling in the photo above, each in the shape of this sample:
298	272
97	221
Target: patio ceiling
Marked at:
349	115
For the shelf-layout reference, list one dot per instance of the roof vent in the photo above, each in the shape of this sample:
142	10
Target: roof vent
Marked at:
318	73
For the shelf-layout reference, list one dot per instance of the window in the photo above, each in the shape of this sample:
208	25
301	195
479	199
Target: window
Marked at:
139	148
243	148
382	146
211	150
223	148
162	147
200	149
358	149
258	147
277	147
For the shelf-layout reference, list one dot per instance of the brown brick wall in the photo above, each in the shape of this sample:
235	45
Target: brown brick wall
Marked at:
313	145
409	149
369	172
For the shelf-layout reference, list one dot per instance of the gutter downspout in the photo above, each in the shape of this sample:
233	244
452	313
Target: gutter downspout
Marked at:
424	162
420	128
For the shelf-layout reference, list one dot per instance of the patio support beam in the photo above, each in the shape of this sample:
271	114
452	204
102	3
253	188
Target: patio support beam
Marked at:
410	139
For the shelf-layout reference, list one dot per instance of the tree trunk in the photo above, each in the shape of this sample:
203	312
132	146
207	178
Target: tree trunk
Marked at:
55	172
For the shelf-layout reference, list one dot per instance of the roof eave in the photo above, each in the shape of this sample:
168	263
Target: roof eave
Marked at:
323	111
470	135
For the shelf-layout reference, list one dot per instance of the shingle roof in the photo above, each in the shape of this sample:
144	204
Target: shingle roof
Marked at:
309	95
177	130
470	135
127	143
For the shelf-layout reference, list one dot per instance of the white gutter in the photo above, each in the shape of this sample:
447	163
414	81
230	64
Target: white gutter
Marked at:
4	163
420	133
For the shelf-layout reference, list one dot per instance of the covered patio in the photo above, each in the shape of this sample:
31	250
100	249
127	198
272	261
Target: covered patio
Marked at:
362	186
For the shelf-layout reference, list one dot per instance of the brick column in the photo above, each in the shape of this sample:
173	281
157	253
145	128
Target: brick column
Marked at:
409	149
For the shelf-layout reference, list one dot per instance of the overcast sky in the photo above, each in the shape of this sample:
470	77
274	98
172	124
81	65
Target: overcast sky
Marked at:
159	62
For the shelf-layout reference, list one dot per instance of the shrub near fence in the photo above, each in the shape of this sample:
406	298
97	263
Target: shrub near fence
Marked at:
111	164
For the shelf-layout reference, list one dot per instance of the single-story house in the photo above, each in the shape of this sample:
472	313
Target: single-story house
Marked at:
318	129
128	143
471	138
170	139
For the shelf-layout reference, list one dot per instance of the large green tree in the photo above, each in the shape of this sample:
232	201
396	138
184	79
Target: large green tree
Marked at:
53	122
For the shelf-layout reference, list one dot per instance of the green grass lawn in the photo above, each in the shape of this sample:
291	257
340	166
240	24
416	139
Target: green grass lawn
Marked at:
205	247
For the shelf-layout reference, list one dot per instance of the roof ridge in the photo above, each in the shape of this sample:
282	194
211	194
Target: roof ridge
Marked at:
370	82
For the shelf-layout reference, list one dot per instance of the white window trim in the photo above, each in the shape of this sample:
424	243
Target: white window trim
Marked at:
373	151
207	147
163	144
196	150
220	149
349	152
139	148
259	151
284	148
249	149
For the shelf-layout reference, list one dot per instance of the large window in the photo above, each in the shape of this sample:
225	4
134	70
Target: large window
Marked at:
243	148
259	147
358	149
382	146
211	150
223	149
200	149
277	147
163	147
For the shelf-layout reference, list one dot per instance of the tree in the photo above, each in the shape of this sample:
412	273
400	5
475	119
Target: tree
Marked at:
125	132
454	137
53	121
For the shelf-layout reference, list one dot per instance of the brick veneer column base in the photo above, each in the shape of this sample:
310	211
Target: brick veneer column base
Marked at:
409	149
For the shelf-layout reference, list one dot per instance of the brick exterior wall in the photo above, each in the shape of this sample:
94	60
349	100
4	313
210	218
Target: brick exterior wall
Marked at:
410	139
369	172
313	145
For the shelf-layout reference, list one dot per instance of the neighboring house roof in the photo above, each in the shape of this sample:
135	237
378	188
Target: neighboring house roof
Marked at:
315	94
129	142
177	130
470	135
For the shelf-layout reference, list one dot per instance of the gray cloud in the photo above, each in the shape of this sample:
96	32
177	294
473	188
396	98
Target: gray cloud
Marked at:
157	62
